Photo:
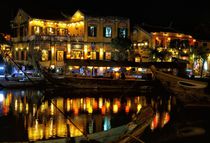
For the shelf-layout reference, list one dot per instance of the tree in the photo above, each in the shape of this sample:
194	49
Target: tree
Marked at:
35	56
179	45
201	53
4	57
3	40
121	47
161	55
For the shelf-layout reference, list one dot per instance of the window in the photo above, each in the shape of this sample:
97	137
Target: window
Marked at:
44	55
205	44
14	34
21	31
108	32
50	30
108	55
61	31
92	30
93	55
122	32
60	55
36	30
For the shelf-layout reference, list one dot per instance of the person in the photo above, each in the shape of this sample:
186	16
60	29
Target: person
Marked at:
111	75
6	78
122	75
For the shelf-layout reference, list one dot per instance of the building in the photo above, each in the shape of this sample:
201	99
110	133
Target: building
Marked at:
56	41
141	40
147	37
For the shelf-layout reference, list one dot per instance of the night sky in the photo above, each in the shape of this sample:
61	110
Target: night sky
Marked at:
185	15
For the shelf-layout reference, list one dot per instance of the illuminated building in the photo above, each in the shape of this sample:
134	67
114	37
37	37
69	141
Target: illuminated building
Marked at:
78	37
146	37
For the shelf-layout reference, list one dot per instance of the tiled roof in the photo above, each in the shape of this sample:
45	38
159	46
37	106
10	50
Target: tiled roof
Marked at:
47	14
65	14
202	31
152	28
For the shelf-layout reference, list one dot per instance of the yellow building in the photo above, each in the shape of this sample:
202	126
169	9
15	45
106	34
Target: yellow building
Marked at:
147	37
142	40
77	37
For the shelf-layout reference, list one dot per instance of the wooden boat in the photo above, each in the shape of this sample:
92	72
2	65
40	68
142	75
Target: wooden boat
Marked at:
178	84
122	134
96	82
24	83
185	89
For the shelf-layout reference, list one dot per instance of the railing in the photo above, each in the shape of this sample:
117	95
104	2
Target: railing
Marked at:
46	38
77	39
18	39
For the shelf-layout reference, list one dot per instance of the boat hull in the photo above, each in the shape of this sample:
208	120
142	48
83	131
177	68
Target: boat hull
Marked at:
121	134
186	90
101	83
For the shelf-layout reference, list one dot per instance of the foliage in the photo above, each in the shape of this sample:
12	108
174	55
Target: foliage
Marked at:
161	55
179	44
121	48
201	53
34	56
4	41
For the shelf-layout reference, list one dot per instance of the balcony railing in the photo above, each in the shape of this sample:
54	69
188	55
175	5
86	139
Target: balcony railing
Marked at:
49	38
20	39
77	39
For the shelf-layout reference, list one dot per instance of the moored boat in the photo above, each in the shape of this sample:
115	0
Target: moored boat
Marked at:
187	90
24	83
96	82
178	84
122	134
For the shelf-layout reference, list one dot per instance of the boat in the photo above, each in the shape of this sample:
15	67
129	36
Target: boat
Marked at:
187	90
10	82
95	82
179	84
122	134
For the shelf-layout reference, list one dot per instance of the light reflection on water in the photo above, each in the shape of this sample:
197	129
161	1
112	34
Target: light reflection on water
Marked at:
36	120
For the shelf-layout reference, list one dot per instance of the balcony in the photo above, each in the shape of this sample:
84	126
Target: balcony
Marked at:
49	38
19	39
76	39
16	39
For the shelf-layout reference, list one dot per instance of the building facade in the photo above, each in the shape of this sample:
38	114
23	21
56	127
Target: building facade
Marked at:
141	40
57	41
147	38
177	46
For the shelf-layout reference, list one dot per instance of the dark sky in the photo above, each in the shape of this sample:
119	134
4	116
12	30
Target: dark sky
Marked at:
183	14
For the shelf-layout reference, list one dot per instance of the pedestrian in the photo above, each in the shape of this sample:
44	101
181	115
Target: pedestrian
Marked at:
6	78
122	75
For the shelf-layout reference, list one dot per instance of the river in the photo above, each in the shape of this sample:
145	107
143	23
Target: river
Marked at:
31	114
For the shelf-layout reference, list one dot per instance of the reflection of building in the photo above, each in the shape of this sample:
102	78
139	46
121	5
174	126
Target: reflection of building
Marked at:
42	120
77	37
